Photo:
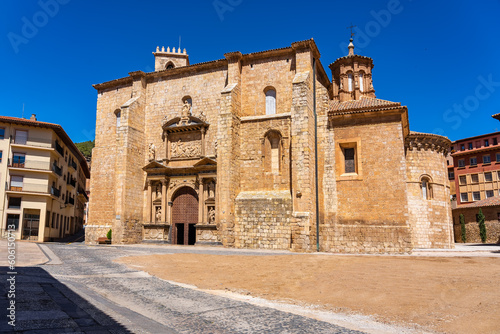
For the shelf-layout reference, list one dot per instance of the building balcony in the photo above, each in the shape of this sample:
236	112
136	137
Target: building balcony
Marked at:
70	201
33	142
59	148
30	164
71	182
55	192
57	170
29	188
72	164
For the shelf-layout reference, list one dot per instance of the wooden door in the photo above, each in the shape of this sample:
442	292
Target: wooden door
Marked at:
184	216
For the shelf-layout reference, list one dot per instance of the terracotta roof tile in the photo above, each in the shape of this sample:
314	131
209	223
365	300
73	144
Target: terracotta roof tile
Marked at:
492	201
362	105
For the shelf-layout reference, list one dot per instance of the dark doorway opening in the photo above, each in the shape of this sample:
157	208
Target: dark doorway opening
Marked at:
180	234
192	234
184	216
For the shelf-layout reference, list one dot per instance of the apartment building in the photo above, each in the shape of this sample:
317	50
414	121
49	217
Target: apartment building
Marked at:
44	175
476	167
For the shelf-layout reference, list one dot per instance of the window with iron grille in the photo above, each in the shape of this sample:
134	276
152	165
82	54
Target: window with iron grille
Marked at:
463	179
461	162
474	178
350	164
489	193
473	161
464	197
486	159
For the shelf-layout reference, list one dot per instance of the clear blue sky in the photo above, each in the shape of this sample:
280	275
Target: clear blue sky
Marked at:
440	58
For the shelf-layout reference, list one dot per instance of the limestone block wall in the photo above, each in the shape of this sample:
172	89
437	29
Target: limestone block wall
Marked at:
492	223
257	74
102	212
372	205
253	173
263	220
164	100
430	217
228	154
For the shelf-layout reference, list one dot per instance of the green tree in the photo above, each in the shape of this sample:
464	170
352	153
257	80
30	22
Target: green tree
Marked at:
462	227
482	227
86	148
109	234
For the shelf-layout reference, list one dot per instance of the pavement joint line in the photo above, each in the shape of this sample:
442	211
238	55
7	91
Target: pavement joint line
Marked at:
53	258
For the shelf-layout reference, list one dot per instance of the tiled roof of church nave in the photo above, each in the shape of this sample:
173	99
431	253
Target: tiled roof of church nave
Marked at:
365	104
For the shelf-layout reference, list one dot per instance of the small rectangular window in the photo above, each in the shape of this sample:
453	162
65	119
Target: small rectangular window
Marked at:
489	193
462	147
2	133
488	177
18	160
498	157
486	143
14	202
486	159
473	161
461	162
16	183
463	179
495	141
350	165
12	221
464	197
474	178
470	146
476	196
451	175
1	154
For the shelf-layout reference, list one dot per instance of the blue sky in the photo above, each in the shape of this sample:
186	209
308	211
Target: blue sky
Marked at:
440	58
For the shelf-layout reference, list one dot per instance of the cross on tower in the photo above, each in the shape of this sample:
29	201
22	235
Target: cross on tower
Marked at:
352	34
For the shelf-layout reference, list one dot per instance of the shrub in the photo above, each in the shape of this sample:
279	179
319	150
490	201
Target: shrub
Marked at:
109	234
462	227
482	227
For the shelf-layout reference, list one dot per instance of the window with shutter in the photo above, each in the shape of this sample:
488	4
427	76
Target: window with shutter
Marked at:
21	137
270	102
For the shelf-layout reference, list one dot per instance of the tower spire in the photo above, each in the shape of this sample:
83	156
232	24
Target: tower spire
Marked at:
351	47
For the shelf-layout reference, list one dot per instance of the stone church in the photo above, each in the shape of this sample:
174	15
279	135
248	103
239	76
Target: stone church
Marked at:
263	150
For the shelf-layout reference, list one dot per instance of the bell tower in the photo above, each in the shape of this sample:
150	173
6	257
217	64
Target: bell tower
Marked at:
168	59
352	76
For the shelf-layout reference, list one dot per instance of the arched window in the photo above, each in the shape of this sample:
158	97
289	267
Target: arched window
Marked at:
169	65
361	83
118	114
426	187
272	152
349	81
270	101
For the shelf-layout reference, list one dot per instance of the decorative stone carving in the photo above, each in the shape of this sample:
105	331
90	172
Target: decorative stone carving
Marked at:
211	189
187	149
152	151
211	215
158	213
186	109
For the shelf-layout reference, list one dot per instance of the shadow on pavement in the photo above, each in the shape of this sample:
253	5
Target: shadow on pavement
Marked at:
45	305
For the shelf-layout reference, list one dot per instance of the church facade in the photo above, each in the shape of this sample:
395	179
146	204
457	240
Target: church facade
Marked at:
263	150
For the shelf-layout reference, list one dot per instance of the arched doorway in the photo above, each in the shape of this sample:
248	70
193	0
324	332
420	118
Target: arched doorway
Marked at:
184	216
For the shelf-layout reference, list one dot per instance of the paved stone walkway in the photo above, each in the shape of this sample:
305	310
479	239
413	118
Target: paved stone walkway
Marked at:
80	290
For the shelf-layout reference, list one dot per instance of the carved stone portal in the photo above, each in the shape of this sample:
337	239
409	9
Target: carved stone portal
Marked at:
185	149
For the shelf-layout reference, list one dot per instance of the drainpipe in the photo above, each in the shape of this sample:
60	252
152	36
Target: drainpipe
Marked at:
316	153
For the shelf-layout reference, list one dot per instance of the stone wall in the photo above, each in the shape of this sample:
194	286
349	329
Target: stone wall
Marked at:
430	217
492	223
104	157
372	205
263	220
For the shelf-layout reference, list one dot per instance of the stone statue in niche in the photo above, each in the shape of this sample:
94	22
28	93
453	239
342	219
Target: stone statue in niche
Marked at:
211	189
158	192
186	109
211	215
158	213
152	151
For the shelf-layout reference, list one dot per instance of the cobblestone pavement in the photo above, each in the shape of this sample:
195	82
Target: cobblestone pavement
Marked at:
88	293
